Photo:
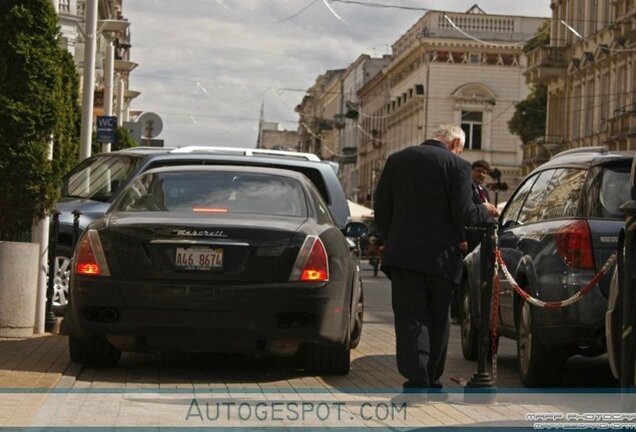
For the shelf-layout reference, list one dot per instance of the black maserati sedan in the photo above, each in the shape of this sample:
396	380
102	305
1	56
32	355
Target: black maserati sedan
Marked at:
227	259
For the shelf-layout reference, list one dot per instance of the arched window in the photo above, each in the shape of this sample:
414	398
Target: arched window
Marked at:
473	104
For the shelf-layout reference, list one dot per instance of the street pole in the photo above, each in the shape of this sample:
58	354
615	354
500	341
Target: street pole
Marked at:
44	317
108	79
90	45
120	100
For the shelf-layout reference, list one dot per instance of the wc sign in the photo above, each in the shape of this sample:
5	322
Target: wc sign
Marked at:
106	129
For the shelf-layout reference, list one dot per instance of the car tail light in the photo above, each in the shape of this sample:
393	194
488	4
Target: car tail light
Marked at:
574	243
312	263
90	259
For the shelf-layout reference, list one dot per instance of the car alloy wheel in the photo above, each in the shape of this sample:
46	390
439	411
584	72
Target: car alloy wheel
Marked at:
356	332
524	339
61	279
538	366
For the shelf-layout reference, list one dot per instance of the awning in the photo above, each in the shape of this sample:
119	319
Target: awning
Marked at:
359	212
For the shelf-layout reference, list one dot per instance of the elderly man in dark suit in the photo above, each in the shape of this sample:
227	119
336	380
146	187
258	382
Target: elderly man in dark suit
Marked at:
422	201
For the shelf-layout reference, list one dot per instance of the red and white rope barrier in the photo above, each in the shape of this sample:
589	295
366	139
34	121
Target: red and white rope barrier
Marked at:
555	304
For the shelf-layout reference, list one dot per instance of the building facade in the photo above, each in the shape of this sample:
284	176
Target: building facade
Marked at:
589	68
113	28
354	78
318	125
462	68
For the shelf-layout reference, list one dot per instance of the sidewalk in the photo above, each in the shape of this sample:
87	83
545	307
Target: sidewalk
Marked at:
36	363
40	387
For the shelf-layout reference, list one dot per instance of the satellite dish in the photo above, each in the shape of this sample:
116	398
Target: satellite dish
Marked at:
151	125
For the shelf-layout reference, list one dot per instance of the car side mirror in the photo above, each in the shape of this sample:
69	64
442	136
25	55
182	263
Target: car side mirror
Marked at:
354	229
508	224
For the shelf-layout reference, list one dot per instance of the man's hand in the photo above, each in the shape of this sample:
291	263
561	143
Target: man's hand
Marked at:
492	210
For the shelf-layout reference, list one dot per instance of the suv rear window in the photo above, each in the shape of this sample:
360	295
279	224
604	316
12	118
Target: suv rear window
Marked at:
99	178
215	192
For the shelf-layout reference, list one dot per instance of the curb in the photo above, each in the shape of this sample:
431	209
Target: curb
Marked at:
69	376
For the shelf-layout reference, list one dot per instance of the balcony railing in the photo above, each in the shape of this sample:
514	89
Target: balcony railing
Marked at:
547	57
623	123
542	148
64	6
545	63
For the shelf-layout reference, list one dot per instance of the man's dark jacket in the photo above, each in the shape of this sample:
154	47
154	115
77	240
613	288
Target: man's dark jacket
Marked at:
422	201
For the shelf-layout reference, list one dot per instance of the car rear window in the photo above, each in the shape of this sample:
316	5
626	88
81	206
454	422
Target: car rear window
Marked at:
312	174
99	178
215	192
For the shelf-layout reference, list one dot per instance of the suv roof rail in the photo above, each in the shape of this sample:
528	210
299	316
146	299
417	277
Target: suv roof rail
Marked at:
594	149
247	152
146	149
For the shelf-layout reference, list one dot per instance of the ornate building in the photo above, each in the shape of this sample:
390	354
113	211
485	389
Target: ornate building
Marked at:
589	68
463	68
317	115
113	26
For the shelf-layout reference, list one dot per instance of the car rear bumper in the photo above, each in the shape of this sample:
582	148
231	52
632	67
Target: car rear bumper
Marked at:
176	317
579	325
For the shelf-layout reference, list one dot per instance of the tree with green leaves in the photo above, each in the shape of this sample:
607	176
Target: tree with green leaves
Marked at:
38	100
124	140
528	121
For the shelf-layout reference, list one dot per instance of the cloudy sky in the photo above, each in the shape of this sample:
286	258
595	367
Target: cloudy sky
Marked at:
205	66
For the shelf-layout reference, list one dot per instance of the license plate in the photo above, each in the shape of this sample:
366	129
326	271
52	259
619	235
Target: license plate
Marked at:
199	259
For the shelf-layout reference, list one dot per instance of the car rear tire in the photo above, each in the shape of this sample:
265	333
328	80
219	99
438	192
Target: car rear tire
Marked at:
358	312
538	366
328	359
61	279
96	351
468	324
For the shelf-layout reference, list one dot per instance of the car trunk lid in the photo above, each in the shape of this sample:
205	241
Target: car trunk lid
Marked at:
241	249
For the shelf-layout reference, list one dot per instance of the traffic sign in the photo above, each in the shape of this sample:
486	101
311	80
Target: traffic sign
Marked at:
106	129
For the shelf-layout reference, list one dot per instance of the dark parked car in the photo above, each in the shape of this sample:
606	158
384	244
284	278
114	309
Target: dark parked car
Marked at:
217	259
556	232
92	186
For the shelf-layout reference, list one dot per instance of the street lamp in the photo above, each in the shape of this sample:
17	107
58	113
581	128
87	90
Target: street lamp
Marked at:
90	44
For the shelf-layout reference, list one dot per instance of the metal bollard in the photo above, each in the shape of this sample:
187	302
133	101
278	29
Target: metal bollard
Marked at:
76	230
482	382
50	319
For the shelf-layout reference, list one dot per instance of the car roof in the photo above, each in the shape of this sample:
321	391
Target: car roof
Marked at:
226	154
231	168
585	157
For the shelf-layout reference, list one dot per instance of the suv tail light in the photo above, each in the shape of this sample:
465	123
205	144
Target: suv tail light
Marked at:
574	243
90	258
312	263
